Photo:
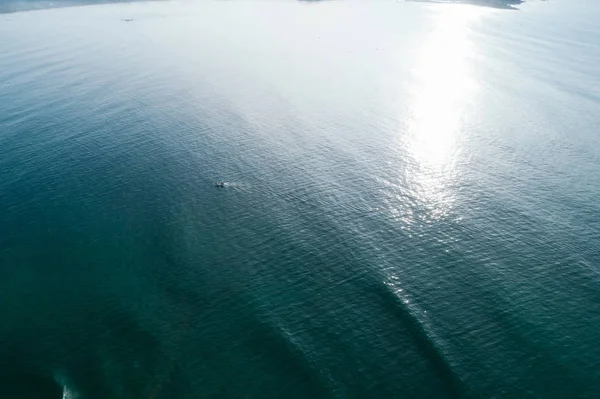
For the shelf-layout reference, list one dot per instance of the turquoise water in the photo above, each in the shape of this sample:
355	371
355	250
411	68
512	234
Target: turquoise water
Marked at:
411	204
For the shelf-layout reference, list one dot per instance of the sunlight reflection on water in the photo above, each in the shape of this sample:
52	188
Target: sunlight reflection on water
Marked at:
442	91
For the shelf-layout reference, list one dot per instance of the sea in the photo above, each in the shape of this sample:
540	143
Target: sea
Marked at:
410	204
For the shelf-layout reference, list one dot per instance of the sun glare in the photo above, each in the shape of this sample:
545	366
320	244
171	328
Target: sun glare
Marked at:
441	93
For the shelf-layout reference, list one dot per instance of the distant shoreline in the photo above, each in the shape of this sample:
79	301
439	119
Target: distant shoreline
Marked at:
502	4
11	7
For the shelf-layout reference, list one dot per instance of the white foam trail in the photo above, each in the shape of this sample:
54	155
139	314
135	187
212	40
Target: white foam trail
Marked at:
68	394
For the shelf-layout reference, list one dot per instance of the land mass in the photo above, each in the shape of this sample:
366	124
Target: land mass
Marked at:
504	4
10	6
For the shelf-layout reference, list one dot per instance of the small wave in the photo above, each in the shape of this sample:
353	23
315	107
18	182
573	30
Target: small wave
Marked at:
417	322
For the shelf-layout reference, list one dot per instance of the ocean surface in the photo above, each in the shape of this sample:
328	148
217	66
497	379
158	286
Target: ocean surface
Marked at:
411	205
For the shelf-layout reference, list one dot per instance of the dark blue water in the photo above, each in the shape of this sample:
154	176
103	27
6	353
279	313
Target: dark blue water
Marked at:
410	209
